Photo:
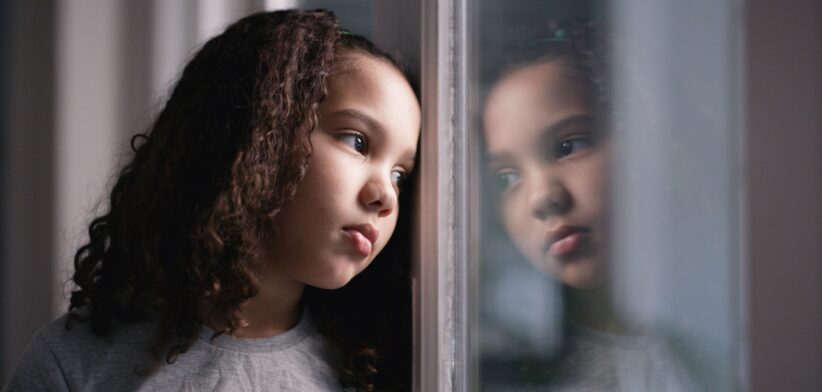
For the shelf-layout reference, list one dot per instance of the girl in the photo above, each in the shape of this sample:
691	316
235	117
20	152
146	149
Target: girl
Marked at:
271	177
548	153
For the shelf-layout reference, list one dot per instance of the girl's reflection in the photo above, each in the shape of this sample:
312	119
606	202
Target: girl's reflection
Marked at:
548	155
548	160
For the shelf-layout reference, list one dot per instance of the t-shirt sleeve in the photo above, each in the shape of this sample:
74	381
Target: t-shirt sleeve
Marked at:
37	370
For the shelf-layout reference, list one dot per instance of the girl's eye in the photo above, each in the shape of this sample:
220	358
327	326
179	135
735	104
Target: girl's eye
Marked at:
572	145
507	179
397	178
356	141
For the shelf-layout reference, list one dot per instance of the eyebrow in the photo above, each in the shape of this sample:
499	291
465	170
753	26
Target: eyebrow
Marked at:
369	122
545	135
409	158
546	138
566	122
498	158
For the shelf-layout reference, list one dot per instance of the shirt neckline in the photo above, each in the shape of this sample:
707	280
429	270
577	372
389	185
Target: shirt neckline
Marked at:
274	343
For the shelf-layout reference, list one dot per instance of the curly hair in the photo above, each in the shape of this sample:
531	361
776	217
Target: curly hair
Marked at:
576	44
224	155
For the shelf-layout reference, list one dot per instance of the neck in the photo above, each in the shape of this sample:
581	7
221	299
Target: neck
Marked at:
275	309
594	309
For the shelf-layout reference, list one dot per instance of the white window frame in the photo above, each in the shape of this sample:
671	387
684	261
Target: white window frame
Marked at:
445	273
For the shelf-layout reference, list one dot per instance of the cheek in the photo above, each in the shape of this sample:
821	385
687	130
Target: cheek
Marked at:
325	182
517	219
507	207
387	225
587	185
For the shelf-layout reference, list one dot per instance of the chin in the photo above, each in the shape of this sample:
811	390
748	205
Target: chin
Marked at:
334	279
585	274
582	284
580	273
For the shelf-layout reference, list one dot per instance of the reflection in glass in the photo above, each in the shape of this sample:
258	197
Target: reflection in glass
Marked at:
546	128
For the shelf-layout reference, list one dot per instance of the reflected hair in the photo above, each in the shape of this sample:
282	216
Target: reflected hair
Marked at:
574	43
179	239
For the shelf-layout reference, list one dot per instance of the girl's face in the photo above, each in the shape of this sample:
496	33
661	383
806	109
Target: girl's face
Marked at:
549	164
345	209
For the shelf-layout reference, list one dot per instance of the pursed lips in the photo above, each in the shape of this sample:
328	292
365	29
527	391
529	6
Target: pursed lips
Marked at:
363	237
564	240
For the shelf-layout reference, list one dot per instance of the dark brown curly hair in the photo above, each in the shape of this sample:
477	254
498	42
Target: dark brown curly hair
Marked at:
187	212
577	45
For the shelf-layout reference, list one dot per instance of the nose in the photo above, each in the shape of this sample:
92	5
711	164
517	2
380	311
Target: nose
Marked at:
549	198
378	195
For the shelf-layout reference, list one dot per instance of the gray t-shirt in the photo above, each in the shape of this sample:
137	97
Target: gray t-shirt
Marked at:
57	359
599	361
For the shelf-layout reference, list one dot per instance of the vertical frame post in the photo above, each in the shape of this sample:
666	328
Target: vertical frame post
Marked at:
443	276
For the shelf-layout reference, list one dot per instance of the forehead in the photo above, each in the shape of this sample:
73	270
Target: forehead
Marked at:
353	66
530	99
377	89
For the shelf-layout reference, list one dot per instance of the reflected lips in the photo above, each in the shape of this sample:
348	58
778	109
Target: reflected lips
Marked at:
362	237
565	240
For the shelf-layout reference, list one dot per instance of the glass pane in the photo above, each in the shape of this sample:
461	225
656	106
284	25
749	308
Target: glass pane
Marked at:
608	245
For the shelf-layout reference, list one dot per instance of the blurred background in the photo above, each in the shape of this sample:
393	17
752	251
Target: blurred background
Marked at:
715	203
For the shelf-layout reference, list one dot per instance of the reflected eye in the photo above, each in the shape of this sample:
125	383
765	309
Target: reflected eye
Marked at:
572	145
507	179
356	141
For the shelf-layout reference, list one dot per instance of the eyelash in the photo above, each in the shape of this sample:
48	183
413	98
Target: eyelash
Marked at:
359	143
398	182
560	149
504	178
356	138
508	178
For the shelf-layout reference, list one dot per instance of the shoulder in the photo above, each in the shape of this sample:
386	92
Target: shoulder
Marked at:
76	342
701	360
38	369
74	358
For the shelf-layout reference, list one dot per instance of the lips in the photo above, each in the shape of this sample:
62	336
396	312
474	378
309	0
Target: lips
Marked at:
565	240
362	237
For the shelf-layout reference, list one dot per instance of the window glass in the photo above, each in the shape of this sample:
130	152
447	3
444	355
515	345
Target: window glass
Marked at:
608	244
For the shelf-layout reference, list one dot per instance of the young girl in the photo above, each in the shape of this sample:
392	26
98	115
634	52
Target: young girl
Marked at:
269	181
548	153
